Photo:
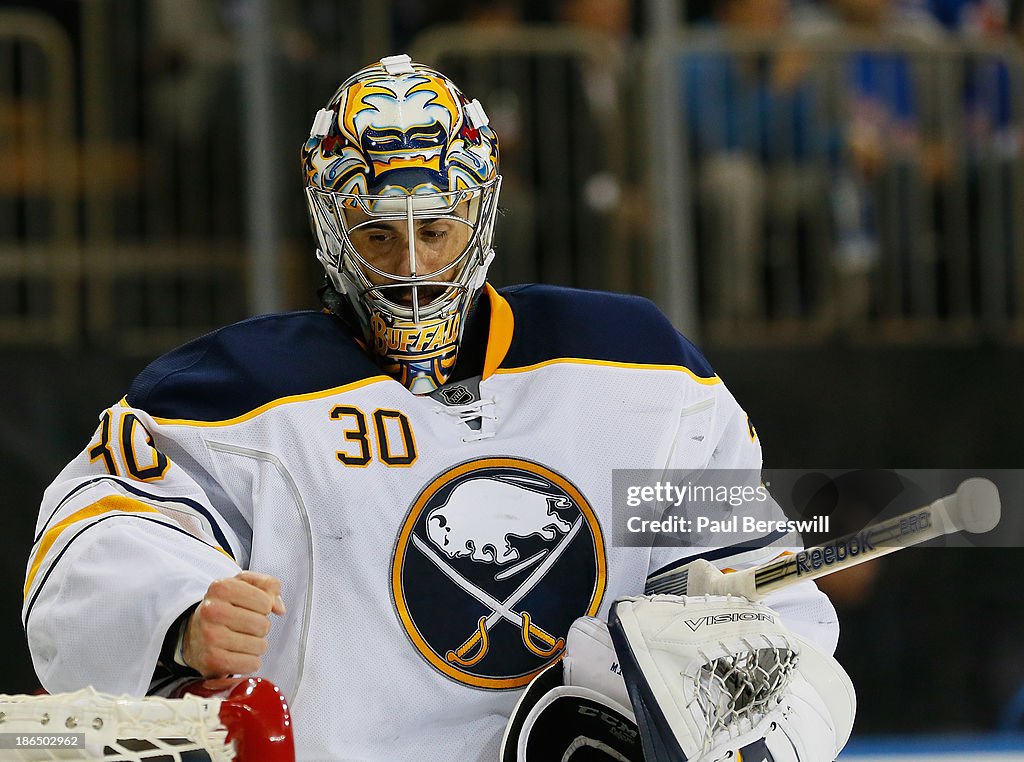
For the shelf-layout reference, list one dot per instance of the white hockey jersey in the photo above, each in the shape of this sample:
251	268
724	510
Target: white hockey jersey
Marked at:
433	550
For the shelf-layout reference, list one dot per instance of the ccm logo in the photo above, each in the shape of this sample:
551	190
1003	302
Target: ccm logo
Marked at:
616	726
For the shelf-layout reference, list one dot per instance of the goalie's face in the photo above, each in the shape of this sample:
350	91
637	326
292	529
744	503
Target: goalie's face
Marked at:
409	264
406	256
392	254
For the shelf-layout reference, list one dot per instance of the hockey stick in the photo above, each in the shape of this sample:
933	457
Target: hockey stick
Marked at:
974	508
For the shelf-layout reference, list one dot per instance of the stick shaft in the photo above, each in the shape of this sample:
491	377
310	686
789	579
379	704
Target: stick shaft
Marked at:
911	528
974	507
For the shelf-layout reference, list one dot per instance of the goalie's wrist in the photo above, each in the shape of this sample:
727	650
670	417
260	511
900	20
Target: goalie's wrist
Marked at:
172	651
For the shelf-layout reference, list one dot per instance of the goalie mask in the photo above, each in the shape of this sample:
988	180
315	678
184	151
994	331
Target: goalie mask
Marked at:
401	174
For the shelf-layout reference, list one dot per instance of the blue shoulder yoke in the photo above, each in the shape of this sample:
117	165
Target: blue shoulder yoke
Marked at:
240	367
553	322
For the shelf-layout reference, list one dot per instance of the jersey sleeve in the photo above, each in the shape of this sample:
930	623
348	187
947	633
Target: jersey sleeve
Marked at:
716	444
130	535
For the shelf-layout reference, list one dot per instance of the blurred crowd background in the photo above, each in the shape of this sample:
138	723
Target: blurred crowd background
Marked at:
827	195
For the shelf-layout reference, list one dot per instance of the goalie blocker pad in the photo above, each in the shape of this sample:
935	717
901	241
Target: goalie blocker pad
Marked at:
569	723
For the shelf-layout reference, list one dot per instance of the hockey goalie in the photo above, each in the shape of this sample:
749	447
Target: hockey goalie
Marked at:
396	506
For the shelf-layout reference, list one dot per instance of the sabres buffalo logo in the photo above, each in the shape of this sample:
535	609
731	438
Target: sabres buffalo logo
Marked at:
494	561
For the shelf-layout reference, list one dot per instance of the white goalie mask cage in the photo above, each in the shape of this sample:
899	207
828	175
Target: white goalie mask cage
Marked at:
400	297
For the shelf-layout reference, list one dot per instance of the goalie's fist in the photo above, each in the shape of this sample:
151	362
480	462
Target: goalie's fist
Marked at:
227	633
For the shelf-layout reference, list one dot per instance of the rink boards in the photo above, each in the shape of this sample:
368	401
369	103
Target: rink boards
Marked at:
993	748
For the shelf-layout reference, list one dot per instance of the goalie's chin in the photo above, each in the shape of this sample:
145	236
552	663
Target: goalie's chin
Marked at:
425	295
401	297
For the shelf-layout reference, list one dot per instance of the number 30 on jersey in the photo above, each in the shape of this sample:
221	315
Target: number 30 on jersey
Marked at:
395	444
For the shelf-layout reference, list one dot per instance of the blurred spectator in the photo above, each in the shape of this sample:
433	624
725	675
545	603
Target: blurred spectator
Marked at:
883	156
193	68
508	110
195	53
617	207
752	141
558	108
192	62
971	18
994	144
610	17
496	14
901	18
603	86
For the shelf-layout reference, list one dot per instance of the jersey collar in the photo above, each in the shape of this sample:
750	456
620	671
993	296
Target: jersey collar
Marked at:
499	334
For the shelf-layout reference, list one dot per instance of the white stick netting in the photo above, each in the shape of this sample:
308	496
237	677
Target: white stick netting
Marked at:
116	727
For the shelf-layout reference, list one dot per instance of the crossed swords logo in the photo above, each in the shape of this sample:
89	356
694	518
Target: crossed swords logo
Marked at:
535	638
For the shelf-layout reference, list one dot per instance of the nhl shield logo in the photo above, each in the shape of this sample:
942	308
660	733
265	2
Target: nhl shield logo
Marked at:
456	394
494	561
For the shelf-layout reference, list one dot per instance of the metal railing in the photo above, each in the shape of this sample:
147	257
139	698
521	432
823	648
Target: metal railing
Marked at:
877	195
127	156
39	257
